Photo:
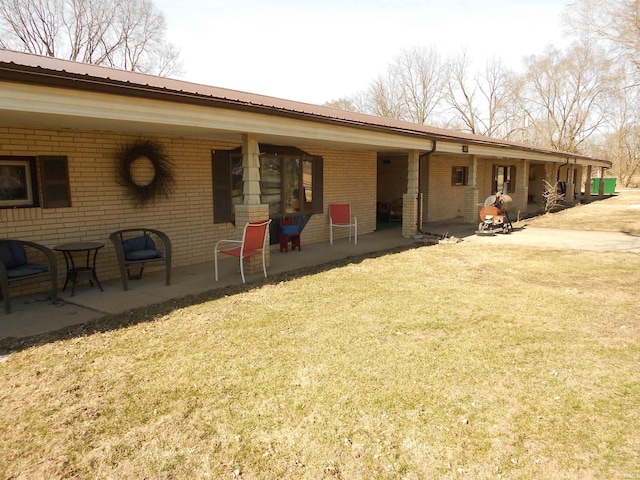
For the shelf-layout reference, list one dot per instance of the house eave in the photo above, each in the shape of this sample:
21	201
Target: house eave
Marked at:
358	130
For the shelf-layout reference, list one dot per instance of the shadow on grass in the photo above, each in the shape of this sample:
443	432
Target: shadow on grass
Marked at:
150	313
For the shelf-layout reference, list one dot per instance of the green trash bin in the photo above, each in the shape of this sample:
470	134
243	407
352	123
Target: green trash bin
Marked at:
609	186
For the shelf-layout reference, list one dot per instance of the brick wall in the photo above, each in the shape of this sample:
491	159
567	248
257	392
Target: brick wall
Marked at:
349	177
444	201
100	205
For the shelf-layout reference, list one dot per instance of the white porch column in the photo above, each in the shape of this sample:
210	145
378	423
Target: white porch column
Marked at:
410	199
587	184
520	199
471	194
251	210
570	196
601	186
251	169
551	173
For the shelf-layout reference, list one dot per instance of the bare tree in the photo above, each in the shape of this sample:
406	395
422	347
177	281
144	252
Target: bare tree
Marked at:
126	34
34	24
410	90
622	143
485	103
345	103
566	94
461	93
383	98
615	21
419	76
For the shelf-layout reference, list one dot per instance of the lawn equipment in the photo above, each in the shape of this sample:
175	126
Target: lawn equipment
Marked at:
494	216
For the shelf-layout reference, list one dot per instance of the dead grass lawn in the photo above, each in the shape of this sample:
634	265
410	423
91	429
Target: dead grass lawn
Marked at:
620	213
452	361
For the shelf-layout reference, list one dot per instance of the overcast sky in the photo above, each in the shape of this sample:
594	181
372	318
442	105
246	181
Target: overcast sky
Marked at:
321	50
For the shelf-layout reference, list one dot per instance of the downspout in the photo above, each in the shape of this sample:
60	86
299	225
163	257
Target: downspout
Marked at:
424	155
558	182
558	172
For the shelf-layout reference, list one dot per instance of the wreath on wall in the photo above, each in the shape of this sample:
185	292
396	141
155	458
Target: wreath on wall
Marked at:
163	181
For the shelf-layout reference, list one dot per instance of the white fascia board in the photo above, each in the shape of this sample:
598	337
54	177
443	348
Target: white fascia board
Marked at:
512	153
100	106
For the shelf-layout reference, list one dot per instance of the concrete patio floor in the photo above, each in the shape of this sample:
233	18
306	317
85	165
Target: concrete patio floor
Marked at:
35	314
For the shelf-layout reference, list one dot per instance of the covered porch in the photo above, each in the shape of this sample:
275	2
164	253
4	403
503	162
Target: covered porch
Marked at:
34	314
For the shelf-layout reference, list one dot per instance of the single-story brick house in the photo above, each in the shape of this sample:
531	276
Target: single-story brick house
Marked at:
236	157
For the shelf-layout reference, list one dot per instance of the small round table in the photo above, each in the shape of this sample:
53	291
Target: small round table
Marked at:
81	272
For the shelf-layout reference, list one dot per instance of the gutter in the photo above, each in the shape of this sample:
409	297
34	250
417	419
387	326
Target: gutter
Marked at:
558	171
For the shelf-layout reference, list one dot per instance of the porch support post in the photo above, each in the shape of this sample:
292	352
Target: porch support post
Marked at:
251	210
410	221
251	169
587	184
252	213
601	186
471	194
570	185
551	173
520	199
578	181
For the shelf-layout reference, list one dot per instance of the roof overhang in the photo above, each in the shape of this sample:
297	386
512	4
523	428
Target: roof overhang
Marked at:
37	105
42	91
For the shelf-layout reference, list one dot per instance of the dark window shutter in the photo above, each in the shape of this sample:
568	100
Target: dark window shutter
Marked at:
317	184
221	186
54	175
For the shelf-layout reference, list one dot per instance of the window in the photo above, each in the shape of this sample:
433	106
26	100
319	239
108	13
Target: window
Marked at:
504	179
290	182
459	176
18	182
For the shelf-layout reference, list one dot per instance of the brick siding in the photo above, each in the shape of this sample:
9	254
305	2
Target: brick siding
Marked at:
100	205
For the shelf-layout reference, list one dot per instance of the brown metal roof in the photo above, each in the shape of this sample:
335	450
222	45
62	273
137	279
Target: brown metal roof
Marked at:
30	68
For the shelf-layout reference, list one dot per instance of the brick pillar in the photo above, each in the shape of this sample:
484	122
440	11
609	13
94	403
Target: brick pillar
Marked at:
472	194
409	215
410	199
251	169
252	213
587	184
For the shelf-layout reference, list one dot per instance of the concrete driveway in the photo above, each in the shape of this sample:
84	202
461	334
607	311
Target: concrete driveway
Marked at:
625	206
563	239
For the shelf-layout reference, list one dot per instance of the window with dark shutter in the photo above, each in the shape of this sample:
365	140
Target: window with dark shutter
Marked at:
291	182
54	177
317	185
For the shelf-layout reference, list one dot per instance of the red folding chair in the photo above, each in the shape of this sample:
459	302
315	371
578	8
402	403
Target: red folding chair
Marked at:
340	216
254	242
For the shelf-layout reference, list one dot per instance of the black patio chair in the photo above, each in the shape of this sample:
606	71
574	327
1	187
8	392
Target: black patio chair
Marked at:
20	264
140	248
